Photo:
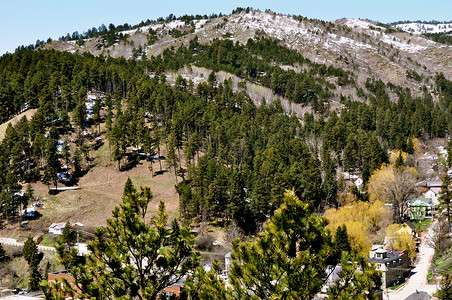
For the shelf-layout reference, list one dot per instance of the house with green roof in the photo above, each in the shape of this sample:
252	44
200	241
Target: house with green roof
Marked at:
420	208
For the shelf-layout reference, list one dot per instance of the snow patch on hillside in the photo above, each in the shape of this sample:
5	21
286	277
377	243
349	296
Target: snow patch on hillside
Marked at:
420	28
402	45
353	23
199	23
278	26
336	42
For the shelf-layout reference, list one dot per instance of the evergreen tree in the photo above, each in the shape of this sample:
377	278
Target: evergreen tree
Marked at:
449	154
288	260
341	239
445	200
357	279
133	258
52	162
399	163
33	258
3	255
445	289
204	285
77	161
65	247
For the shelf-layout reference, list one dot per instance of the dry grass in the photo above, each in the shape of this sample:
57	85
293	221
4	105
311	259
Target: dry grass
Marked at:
101	191
29	113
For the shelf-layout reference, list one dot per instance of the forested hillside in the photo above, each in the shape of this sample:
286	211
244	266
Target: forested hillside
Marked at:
239	157
250	114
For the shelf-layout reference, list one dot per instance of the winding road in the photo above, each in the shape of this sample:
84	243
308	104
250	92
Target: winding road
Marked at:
418	278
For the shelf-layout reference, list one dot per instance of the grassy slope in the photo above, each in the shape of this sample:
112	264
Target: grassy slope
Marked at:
29	113
101	191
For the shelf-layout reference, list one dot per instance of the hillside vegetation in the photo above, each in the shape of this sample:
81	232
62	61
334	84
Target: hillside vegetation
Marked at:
231	155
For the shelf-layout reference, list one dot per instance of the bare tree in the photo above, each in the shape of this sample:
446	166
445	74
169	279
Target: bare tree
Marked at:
395	186
440	236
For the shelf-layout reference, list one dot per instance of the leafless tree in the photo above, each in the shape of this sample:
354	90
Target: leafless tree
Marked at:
396	186
440	236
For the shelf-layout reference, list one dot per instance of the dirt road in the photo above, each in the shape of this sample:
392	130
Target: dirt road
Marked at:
418	278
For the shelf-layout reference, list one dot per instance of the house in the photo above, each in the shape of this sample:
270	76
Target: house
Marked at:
59	276
420	208
394	265
408	228
333	278
172	291
57	228
433	194
428	156
419	296
426	185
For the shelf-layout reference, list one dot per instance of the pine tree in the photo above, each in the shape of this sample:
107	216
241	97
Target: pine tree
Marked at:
399	163
3	255
65	247
132	258
341	239
33	258
445	200
449	154
204	285
445	289
357	278
288	260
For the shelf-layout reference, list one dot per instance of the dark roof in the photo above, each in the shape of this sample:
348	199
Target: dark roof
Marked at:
411	225
430	183
390	256
418	296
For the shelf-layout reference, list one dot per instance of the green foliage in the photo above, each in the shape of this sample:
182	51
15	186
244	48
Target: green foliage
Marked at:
204	285
357	278
288	260
66	251
449	154
3	255
445	289
33	258
445	200
341	239
440	37
134	258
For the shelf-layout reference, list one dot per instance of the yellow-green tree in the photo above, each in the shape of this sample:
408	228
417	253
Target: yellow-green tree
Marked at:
361	219
400	240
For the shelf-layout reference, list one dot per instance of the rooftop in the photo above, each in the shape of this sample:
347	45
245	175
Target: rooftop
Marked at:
390	256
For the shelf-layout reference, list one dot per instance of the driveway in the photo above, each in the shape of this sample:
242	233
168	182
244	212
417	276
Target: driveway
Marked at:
13	242
418	278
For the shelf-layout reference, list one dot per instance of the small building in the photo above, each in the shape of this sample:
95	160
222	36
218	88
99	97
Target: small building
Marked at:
227	262
63	275
420	208
394	265
57	228
408	228
426	185
172	291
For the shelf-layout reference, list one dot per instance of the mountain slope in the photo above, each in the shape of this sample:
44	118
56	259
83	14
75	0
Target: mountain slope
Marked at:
359	46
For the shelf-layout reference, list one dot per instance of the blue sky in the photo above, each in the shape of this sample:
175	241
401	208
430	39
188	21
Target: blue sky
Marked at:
22	22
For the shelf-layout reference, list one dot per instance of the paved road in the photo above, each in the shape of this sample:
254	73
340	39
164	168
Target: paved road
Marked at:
13	242
418	279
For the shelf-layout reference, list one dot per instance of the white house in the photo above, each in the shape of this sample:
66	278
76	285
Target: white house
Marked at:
57	228
433	194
